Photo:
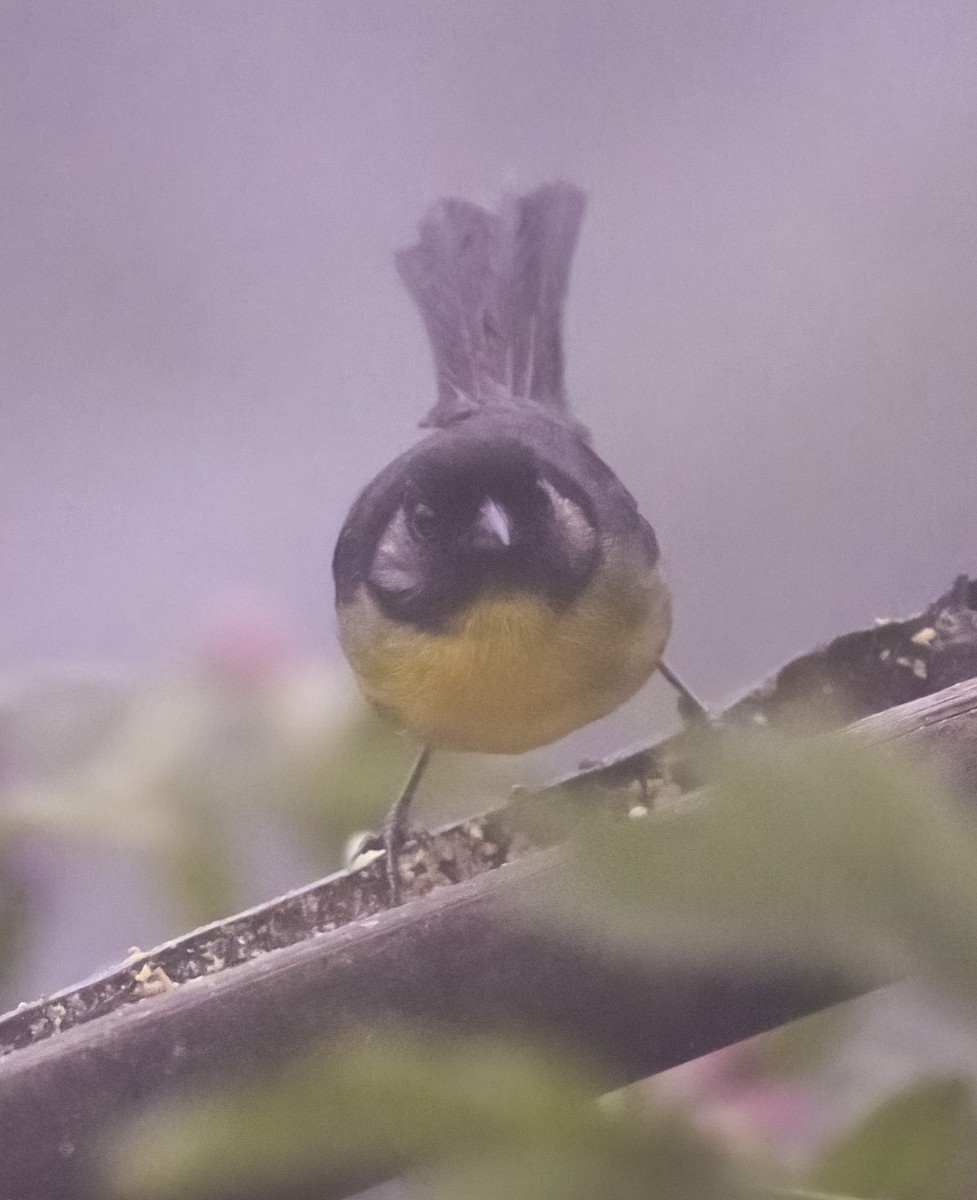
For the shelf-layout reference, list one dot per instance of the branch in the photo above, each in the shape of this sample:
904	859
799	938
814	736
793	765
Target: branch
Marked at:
261	985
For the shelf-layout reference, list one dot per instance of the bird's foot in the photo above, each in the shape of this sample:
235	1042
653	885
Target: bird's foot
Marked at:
390	843
394	838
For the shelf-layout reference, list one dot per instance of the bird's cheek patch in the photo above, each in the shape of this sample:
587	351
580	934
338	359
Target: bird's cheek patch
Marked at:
397	566
577	532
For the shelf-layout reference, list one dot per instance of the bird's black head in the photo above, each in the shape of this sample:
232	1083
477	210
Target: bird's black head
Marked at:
480	516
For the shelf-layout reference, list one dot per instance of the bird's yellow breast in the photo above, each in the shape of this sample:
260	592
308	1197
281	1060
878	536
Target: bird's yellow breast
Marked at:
511	672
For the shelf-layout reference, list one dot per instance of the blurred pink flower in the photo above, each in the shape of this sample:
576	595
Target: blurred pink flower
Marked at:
728	1096
244	640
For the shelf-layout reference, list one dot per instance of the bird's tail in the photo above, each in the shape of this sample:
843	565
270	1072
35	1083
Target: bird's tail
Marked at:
490	287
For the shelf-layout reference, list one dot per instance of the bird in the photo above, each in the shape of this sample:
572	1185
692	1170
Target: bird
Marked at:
496	585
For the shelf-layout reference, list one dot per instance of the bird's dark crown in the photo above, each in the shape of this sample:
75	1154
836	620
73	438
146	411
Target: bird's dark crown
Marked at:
453	484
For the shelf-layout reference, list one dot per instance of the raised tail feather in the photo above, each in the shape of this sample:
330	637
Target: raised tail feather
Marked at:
490	287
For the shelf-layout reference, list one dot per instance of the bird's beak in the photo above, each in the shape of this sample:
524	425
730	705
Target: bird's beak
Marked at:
493	524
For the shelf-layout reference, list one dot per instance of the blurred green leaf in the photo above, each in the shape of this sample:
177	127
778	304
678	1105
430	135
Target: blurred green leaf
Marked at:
822	853
668	1170
804	1194
15	913
800	1046
347	778
466	1115
919	1145
197	862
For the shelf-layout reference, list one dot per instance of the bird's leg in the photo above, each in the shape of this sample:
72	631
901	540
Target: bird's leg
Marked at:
690	707
395	824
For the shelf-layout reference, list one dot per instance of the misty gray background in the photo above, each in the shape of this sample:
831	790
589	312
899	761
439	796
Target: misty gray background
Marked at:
204	351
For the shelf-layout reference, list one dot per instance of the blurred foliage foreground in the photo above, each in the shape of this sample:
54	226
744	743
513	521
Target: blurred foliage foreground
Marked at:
818	853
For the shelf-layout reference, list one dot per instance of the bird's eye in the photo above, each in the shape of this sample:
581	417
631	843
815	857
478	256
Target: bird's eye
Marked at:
423	521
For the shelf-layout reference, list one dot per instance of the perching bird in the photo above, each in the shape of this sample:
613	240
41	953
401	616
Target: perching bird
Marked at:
496	586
